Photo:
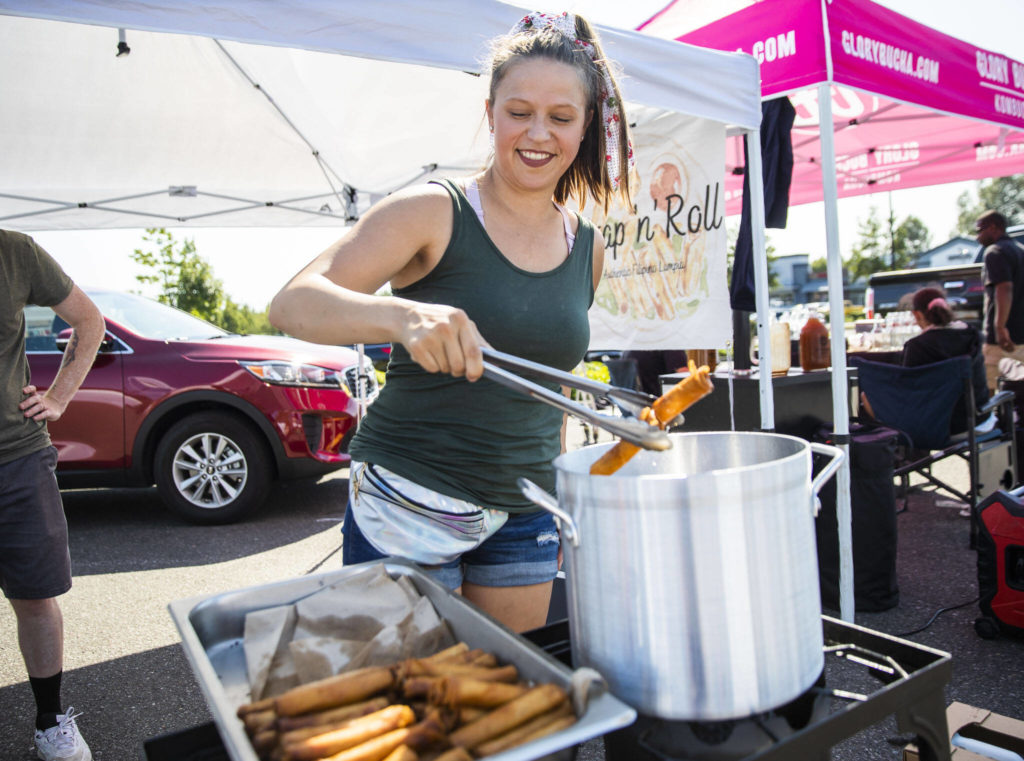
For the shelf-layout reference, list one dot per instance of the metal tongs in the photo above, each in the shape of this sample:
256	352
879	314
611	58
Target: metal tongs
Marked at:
628	401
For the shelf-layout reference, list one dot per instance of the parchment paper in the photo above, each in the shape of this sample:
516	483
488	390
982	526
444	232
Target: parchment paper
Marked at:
366	620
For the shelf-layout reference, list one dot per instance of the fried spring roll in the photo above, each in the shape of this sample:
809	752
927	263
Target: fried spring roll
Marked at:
507	673
263	742
483	666
354	733
305	732
535	702
402	753
334	691
257	721
682	395
455	754
470	713
449	652
331	716
419	686
417	737
458	691
485	660
259	705
413	667
666	407
545	724
446	718
293	736
621	453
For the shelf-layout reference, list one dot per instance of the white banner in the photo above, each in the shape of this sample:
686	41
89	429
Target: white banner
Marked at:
664	284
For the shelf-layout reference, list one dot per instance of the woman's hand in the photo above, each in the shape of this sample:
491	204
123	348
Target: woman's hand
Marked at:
442	339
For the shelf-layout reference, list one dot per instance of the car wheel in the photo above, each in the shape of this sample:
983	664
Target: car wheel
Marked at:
211	467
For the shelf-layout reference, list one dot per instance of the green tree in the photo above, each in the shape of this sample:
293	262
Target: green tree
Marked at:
240	318
871	251
186	281
881	245
1003	194
910	238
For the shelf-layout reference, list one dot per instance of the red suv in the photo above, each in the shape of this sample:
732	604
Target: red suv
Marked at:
210	417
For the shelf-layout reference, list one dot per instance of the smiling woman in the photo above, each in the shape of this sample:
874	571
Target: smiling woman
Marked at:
490	260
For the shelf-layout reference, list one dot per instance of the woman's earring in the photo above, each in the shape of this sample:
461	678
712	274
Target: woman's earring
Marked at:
491	138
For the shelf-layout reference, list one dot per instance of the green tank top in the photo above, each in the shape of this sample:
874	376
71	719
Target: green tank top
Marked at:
473	440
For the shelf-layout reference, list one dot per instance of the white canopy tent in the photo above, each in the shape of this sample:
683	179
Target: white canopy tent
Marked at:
236	112
318	108
259	113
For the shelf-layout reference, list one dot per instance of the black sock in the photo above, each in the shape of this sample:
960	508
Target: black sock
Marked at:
47	694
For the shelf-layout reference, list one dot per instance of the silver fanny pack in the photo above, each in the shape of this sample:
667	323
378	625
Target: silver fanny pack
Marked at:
400	518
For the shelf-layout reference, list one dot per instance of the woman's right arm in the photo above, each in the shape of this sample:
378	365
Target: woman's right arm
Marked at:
399	240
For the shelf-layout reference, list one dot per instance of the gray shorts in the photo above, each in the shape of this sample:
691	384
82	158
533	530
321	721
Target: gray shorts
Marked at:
35	563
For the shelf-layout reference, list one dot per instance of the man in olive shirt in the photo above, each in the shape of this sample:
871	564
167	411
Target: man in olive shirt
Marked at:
35	564
1003	275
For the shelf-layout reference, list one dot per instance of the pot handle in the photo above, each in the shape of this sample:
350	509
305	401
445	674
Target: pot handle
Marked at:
828	471
542	499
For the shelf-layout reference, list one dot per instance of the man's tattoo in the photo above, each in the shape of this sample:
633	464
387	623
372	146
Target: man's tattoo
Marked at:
69	352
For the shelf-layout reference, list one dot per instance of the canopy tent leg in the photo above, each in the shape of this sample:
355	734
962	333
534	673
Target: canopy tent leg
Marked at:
761	296
837	320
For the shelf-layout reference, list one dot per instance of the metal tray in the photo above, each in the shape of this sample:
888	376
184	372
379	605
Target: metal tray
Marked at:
211	628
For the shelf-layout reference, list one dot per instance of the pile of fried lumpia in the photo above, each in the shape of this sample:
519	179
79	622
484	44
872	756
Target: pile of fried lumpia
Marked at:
456	705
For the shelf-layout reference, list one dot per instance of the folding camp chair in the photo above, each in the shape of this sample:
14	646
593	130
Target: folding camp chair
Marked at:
920	402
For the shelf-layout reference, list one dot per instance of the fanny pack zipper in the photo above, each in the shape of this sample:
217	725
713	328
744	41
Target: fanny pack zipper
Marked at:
395	497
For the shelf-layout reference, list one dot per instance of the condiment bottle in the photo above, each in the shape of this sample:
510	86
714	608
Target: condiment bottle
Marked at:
814	345
780	346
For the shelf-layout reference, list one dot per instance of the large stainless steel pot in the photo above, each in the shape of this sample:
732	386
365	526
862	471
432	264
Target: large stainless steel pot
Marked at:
693	573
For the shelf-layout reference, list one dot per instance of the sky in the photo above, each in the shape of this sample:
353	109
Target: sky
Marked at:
254	263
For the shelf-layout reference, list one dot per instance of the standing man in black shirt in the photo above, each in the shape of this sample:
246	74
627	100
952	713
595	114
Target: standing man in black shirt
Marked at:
1003	275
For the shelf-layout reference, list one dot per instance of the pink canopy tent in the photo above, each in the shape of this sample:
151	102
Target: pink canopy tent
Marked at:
910	106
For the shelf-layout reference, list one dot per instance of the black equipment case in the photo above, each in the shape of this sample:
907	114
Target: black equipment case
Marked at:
1000	546
873	508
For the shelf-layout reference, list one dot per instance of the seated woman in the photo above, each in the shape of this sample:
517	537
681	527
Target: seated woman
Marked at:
941	338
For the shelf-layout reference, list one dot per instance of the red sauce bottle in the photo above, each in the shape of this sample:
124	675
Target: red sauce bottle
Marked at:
814	345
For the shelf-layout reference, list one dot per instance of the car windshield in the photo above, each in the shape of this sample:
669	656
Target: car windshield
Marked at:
151	319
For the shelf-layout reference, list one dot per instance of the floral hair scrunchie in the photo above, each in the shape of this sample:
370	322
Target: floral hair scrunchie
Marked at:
565	24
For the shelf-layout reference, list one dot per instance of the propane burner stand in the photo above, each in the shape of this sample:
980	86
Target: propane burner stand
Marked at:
912	677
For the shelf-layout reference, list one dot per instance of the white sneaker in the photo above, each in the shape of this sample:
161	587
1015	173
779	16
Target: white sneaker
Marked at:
63	742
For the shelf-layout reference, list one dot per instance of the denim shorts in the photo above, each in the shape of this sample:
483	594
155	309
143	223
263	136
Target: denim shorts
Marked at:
35	563
523	551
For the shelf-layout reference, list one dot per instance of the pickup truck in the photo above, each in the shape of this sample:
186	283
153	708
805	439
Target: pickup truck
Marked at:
962	284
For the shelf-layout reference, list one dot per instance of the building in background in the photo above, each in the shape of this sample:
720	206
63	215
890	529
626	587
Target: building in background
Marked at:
959	250
792	272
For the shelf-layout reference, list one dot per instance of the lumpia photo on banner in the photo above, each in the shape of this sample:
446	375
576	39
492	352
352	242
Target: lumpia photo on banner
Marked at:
664	284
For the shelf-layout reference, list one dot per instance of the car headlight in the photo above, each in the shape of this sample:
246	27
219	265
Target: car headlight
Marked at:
290	374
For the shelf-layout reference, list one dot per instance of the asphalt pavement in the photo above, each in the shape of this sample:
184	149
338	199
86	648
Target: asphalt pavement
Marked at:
124	666
125	670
